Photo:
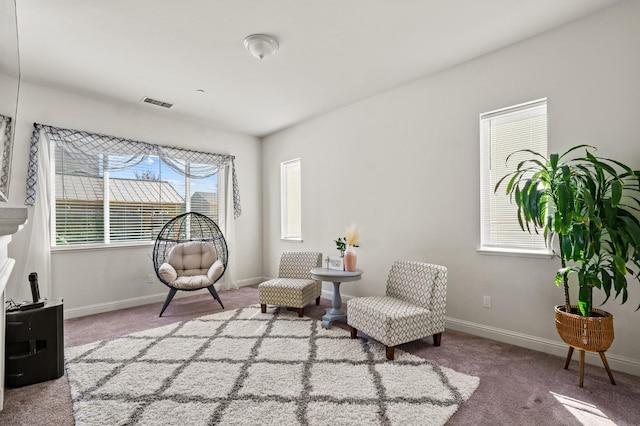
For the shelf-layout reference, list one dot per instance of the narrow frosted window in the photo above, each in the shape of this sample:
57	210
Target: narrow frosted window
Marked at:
291	198
502	133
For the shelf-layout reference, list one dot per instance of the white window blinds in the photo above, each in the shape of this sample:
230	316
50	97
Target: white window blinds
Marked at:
114	206
504	132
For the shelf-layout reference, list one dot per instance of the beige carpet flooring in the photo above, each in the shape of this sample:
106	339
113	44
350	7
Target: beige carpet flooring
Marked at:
517	386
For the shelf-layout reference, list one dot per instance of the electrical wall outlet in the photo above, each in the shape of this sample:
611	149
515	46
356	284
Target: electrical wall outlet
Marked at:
486	301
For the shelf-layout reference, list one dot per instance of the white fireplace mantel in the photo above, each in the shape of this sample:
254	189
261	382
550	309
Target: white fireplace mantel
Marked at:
11	221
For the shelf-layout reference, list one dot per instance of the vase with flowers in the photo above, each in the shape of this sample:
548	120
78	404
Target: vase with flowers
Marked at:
352	238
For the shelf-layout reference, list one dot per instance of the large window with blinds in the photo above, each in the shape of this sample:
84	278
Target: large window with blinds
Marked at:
98	205
502	133
291	200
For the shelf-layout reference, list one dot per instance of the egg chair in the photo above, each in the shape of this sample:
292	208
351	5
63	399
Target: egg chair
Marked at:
190	253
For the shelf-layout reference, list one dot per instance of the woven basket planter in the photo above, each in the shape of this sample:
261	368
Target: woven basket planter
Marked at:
593	334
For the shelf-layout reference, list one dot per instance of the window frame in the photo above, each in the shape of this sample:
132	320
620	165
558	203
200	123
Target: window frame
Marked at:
485	247
107	242
285	232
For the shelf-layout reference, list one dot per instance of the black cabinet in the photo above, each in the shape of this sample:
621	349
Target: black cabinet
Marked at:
34	346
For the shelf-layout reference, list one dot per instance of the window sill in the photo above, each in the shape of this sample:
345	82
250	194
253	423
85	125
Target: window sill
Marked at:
294	240
98	247
494	251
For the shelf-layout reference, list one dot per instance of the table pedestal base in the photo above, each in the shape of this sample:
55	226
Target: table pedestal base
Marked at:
331	316
334	313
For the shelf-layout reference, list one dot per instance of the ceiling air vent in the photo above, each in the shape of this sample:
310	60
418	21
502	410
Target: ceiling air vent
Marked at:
156	102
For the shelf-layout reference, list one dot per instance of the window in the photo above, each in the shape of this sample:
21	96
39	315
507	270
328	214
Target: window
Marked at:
502	133
291	199
95	204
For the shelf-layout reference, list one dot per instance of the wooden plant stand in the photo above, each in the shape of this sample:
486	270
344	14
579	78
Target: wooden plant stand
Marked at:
592	334
582	351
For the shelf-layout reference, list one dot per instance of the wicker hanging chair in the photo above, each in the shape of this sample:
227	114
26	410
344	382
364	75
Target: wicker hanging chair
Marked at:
190	253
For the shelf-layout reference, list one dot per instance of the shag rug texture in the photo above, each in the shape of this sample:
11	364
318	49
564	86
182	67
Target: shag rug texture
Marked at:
242	367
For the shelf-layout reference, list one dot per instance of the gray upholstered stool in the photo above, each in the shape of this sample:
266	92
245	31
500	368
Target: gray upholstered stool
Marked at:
294	286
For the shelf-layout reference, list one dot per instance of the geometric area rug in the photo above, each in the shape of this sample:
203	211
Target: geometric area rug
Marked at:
242	367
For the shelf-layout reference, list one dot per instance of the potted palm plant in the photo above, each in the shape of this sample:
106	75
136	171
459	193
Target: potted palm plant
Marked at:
586	207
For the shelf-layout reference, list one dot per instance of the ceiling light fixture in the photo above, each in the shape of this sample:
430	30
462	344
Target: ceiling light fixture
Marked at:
261	45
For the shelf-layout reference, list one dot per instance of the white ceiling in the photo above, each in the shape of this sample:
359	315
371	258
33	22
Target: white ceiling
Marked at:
332	52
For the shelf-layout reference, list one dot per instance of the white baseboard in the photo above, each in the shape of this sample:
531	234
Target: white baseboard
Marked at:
558	348
99	308
143	300
251	281
328	294
553	347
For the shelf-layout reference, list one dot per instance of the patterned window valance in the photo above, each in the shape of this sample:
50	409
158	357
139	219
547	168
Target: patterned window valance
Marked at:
5	154
84	148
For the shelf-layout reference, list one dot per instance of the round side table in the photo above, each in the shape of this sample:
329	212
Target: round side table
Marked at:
336	277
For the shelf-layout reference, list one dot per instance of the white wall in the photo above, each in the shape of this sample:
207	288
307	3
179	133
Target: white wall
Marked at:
404	165
97	280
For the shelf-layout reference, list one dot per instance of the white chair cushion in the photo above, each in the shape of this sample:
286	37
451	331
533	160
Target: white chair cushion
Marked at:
167	273
191	266
192	258
215	271
191	282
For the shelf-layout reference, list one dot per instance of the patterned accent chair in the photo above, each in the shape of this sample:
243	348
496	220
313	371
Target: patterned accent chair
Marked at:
412	308
294	286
